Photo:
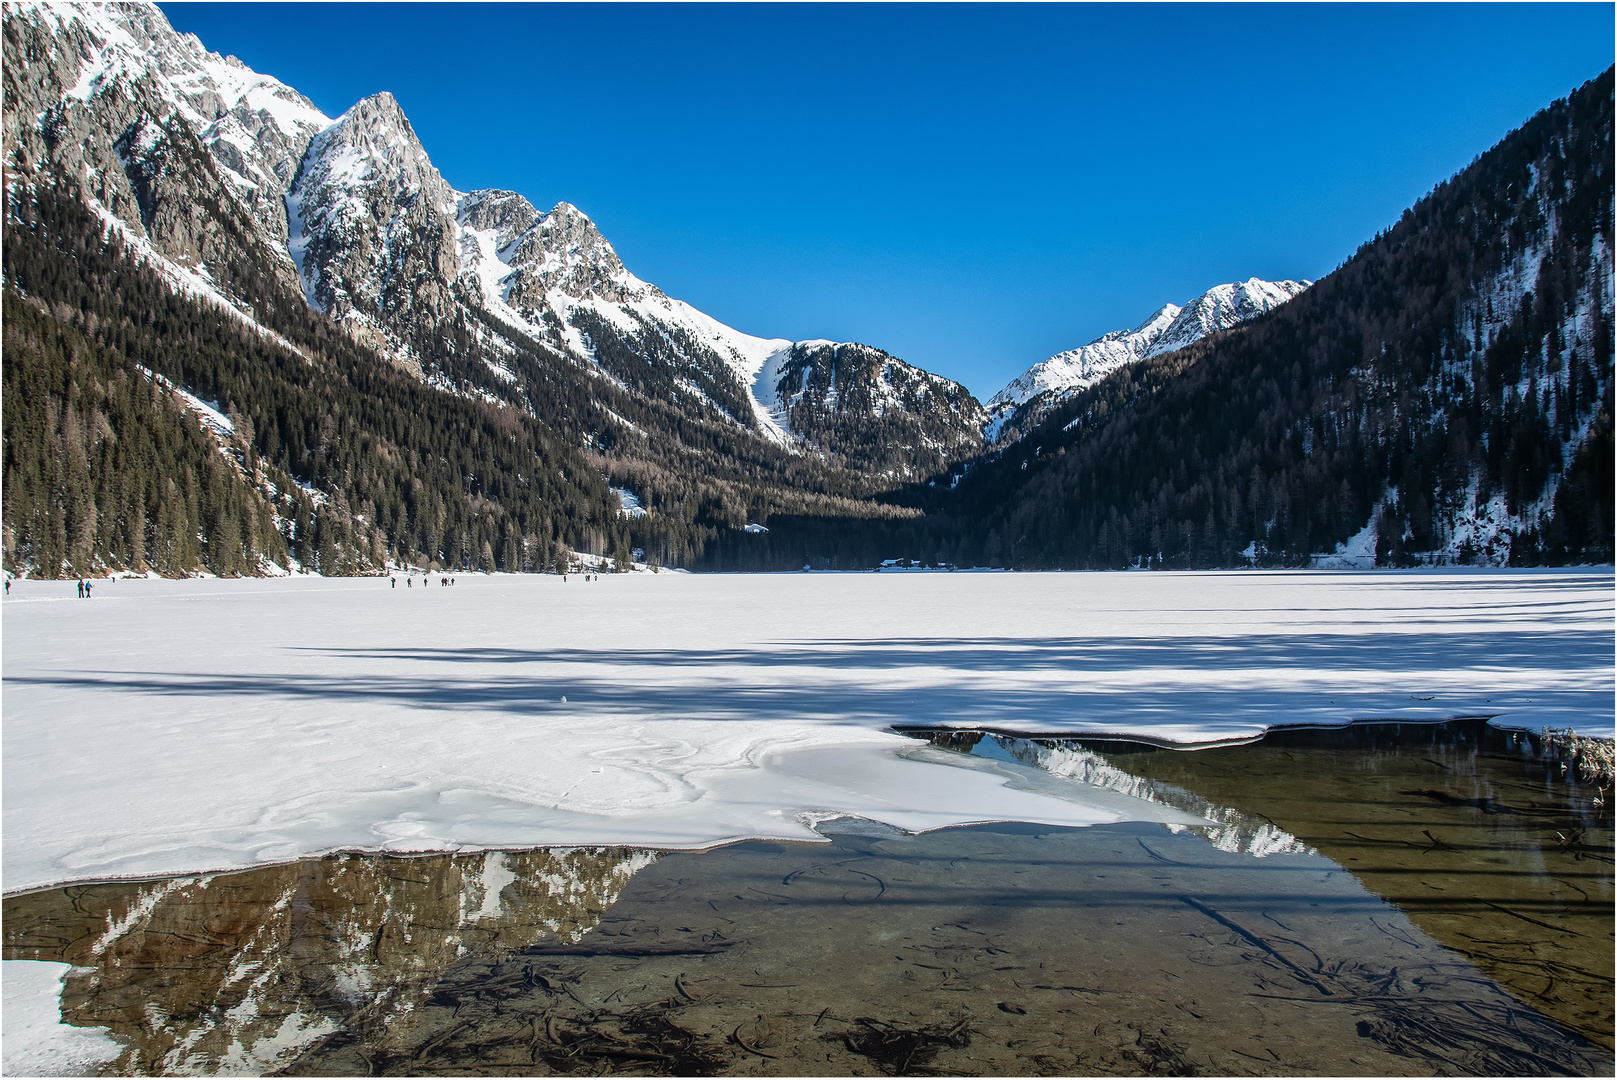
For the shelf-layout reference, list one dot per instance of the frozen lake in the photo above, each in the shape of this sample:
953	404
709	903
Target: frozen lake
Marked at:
173	727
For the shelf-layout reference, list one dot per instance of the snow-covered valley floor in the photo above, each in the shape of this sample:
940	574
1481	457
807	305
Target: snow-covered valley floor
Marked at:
186	726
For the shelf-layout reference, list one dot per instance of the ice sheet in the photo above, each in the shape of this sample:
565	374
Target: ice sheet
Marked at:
185	726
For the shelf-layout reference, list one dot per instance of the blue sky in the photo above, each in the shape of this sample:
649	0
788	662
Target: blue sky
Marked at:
970	187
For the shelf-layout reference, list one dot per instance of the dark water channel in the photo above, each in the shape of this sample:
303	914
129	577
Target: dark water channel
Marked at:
1375	901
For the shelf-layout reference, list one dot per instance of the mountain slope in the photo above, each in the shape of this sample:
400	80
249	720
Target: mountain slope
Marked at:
1028	397
361	465
181	148
1445	396
871	409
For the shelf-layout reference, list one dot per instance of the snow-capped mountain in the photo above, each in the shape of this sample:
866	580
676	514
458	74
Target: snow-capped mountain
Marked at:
372	226
213	165
1171	327
557	280
181	148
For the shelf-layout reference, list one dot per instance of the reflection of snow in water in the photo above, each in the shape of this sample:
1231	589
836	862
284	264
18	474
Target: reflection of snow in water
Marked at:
1227	828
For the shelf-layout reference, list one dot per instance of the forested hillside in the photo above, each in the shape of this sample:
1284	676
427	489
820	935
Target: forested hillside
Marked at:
360	462
873	411
1449	389
107	471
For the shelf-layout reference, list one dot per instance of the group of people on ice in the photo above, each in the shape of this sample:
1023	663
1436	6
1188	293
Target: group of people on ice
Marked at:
393	581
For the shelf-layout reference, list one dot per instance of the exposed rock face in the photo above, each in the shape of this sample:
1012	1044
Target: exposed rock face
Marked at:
180	145
566	253
373	224
506	213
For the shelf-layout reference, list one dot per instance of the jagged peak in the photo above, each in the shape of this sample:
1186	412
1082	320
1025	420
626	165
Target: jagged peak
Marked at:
379	111
1166	311
566	211
568	232
506	212
1169	328
492	197
374	142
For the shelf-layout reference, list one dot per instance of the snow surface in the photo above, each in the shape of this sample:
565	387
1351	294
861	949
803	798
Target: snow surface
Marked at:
629	503
35	1041
195	725
207	412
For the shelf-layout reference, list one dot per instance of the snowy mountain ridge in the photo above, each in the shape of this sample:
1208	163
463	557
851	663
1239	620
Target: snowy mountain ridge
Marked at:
255	126
1047	383
537	271
353	212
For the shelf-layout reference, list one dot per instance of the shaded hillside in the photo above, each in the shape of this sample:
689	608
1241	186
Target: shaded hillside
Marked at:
103	469
874	411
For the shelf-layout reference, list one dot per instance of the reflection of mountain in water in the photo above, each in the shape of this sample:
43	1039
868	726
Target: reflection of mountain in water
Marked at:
1491	841
1228	829
241	972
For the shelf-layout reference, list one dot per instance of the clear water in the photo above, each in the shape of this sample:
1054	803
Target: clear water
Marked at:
1347	948
1489	840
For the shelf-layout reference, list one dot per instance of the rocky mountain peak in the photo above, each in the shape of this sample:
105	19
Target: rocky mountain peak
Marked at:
372	222
1222	307
505	213
567	253
373	144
